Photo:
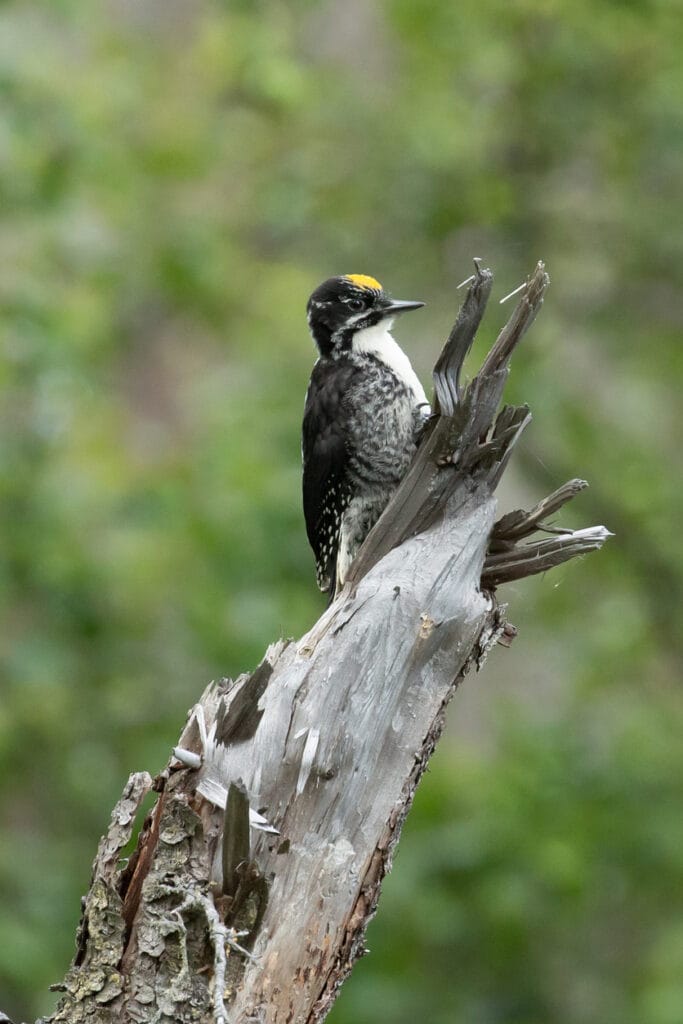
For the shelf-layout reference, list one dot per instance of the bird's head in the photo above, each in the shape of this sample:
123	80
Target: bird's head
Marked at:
341	306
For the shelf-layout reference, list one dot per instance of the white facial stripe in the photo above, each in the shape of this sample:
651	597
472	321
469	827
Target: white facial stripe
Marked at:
356	317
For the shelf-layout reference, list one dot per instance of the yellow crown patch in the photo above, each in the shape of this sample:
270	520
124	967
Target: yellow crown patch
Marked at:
363	281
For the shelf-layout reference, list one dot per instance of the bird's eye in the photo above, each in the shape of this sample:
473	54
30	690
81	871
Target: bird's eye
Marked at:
355	304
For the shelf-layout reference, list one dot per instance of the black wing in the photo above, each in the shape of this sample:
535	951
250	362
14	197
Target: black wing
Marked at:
325	460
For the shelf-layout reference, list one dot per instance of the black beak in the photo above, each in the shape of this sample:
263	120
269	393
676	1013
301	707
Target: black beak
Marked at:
395	306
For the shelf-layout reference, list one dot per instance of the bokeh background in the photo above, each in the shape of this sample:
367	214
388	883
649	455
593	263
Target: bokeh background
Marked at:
176	176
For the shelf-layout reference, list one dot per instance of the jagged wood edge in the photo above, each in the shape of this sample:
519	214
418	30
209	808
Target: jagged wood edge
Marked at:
467	436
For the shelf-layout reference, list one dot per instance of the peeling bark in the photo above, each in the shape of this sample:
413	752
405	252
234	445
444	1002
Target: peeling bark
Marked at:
257	870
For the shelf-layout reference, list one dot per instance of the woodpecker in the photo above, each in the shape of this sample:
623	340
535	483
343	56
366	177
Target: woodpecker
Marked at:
364	411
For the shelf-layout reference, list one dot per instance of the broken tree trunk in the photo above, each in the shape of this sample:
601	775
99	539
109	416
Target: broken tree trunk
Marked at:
257	870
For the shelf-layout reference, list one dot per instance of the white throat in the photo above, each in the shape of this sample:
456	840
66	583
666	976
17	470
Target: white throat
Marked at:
379	342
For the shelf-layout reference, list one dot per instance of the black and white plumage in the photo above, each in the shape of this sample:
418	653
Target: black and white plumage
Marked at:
364	411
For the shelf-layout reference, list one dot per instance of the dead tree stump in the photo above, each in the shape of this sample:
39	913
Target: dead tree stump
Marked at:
259	867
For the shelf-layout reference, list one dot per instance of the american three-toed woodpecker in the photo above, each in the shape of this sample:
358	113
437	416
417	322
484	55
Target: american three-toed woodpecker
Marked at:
365	408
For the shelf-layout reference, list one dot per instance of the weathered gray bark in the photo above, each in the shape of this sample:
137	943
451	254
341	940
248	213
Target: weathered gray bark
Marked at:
322	747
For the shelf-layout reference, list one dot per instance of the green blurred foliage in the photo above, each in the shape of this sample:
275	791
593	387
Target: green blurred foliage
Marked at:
175	178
